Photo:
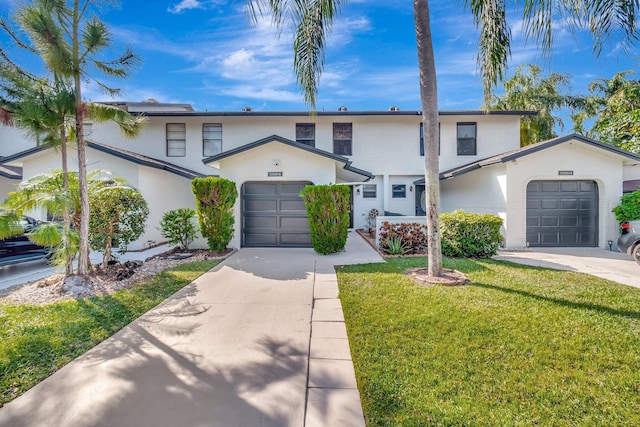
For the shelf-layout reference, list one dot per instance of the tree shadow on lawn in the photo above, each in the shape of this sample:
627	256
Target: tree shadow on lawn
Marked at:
630	314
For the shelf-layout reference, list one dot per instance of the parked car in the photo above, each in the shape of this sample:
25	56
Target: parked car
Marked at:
629	240
19	248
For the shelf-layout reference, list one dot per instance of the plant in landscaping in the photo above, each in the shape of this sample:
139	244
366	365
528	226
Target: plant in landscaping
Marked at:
328	211
118	216
395	246
215	198
177	226
629	207
412	235
470	235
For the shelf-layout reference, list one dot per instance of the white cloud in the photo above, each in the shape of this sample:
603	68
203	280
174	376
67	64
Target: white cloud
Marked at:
194	4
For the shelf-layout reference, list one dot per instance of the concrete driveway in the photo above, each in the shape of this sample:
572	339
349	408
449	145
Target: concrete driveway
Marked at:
609	265
259	340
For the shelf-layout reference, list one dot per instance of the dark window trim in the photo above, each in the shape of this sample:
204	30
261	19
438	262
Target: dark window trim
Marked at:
343	140
422	139
183	140
208	139
311	142
399	191
474	139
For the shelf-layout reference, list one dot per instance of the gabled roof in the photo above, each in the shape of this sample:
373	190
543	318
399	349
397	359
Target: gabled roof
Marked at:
285	141
117	152
10	172
530	149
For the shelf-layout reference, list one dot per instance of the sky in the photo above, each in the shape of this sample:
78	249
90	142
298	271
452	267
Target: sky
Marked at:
208	53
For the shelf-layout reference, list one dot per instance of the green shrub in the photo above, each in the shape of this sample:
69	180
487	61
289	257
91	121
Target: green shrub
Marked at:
117	217
328	211
177	226
395	246
215	198
629	207
470	235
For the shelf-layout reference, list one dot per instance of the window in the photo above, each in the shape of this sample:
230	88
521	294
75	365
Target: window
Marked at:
342	138
306	134
422	139
369	191
467	139
176	140
211	139
87	130
399	191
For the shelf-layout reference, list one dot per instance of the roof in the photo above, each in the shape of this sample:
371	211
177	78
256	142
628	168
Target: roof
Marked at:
117	152
285	141
332	113
11	172
530	149
151	105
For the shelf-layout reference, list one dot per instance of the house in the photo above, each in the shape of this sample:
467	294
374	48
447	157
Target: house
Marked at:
556	193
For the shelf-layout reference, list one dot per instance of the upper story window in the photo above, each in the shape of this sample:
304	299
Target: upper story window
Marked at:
369	191
211	139
176	140
467	139
342	133
306	134
422	139
399	191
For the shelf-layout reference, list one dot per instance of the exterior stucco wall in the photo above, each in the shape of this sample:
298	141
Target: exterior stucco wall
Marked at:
587	163
254	165
631	172
13	140
7	185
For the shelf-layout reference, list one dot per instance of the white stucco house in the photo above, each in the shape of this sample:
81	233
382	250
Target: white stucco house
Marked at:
556	193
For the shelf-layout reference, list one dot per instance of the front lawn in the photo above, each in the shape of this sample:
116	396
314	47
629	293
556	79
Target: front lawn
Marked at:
35	341
519	346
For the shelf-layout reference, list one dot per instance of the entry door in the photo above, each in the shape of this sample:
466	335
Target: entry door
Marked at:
421	203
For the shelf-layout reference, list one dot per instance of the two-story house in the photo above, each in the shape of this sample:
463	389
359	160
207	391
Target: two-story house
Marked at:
556	193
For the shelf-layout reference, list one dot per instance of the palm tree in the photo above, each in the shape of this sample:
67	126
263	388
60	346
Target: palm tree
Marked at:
70	42
312	19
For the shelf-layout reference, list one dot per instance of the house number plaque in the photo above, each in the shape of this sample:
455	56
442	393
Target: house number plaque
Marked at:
274	173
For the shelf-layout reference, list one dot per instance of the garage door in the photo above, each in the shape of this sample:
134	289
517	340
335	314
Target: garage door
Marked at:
274	215
562	213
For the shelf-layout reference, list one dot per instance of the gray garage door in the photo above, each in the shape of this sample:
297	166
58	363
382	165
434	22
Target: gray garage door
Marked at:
562	213
274	215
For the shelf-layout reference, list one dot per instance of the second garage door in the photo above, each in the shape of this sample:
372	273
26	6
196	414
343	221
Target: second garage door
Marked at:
562	213
274	215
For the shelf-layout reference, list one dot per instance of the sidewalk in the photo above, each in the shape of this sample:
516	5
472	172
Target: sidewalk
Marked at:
258	341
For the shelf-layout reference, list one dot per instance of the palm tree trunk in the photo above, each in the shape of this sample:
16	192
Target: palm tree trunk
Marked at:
66	217
429	100
83	253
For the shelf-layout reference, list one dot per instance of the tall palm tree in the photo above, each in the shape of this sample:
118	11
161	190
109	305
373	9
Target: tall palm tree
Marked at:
70	43
605	19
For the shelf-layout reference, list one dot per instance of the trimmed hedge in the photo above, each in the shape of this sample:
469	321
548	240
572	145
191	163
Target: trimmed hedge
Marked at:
470	235
629	207
413	236
215	198
328	211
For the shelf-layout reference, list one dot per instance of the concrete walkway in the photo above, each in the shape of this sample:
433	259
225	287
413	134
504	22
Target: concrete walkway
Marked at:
609	265
258	341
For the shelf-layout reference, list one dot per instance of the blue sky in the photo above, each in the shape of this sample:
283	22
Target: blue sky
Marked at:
207	53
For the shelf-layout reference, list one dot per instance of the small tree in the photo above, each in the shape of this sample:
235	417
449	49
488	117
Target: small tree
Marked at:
328	211
177	226
118	217
629	207
215	198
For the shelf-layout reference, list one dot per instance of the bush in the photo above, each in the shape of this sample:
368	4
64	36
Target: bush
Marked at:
215	198
413	236
177	226
470	235
328	211
117	217
629	207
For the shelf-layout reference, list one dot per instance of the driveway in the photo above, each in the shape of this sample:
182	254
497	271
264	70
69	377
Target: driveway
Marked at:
609	265
259	340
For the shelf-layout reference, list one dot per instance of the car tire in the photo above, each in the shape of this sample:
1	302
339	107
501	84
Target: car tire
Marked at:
636	253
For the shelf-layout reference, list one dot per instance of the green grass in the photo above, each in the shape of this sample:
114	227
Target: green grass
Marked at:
519	346
35	341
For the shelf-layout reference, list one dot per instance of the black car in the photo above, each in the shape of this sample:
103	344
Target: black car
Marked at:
19	248
629	240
